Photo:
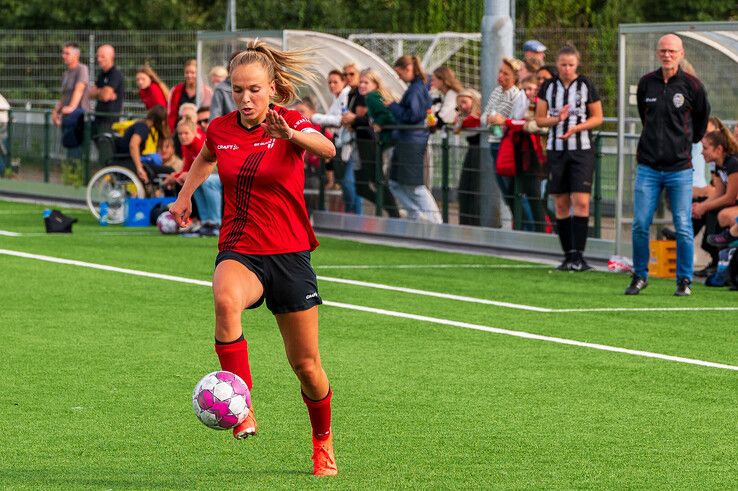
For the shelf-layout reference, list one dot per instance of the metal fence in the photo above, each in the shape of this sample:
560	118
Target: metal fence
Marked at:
31	66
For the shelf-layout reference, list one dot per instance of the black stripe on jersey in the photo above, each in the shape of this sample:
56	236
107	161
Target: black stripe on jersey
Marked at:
244	183
552	105
581	115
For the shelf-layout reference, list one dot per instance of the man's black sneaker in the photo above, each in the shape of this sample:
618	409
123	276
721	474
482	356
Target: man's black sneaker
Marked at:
578	263
668	233
683	288
706	271
566	263
636	285
722	240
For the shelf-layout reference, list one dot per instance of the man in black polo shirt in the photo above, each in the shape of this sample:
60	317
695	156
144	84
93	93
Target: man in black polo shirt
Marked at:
109	90
674	111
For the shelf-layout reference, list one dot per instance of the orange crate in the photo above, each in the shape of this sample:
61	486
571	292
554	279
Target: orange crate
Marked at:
662	263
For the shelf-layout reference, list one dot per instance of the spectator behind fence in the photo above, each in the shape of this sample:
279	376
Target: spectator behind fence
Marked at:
546	72
469	104
357	121
406	172
151	89
444	81
342	138
533	49
216	75
314	165
530	68
530	158
109	90
209	196
674	110
569	105
506	101
203	118
168	156
185	92
69	111
376	95
222	101
133	142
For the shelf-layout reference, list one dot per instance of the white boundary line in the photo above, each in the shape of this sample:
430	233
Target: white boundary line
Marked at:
392	313
8	233
431	266
427	293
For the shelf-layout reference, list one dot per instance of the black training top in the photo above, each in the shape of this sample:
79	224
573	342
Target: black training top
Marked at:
674	116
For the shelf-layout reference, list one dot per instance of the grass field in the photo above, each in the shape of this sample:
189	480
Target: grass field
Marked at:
98	368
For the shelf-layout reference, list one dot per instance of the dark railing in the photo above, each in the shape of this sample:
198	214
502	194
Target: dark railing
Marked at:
448	161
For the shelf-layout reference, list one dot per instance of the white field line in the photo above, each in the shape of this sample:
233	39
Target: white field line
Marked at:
431	266
8	233
392	313
427	293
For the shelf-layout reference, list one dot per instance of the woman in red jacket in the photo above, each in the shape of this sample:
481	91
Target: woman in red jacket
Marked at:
187	92
151	89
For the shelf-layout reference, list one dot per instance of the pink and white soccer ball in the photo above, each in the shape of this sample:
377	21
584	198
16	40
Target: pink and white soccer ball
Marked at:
221	400
166	224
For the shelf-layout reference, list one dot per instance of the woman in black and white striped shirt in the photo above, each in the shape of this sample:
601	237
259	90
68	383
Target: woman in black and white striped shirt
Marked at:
570	107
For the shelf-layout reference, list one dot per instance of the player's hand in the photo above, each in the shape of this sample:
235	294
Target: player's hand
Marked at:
181	210
564	113
276	126
67	110
568	134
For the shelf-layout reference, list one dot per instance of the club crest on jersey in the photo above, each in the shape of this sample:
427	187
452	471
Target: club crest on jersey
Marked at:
269	143
678	100
232	146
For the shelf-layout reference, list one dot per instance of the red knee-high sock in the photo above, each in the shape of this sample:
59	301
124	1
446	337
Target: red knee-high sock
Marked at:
320	415
234	357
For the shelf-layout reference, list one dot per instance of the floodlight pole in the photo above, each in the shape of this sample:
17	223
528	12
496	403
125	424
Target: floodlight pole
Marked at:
497	39
231	16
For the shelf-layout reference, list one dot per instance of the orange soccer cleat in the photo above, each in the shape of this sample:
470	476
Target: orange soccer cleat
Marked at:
324	463
247	427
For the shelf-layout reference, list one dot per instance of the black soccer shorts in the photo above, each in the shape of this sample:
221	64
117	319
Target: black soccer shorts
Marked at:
289	281
570	171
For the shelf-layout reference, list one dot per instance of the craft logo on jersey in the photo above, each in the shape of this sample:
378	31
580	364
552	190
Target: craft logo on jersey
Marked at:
232	146
678	100
269	143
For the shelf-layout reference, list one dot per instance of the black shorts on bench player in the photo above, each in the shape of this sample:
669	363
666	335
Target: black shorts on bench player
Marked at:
568	104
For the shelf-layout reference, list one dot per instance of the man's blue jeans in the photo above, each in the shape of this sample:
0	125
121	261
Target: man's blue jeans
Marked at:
648	186
208	198
351	199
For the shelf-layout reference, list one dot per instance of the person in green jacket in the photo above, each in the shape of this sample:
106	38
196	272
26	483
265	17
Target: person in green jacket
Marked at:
377	96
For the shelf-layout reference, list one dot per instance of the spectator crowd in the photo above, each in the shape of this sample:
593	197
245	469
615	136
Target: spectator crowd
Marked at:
539	121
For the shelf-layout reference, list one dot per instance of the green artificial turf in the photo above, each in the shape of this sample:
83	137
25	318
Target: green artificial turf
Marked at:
98	369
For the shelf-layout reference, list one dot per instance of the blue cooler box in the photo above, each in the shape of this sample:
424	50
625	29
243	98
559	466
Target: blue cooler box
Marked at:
138	210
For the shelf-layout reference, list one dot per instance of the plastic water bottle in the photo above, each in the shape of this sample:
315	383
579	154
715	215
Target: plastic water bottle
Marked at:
104	213
47	213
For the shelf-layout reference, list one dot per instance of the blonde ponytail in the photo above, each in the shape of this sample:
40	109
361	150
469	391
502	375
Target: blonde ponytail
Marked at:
286	68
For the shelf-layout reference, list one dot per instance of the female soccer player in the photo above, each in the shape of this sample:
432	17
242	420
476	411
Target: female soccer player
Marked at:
266	237
569	106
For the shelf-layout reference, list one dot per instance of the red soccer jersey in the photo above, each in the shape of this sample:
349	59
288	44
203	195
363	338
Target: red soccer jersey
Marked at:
263	185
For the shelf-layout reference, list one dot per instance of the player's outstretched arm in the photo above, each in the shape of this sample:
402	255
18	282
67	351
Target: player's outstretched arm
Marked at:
201	168
313	142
